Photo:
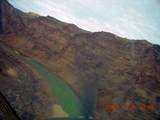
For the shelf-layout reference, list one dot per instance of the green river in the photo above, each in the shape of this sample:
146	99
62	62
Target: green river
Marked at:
66	97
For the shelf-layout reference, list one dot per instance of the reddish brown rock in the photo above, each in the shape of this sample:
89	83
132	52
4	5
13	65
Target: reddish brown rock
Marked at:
106	67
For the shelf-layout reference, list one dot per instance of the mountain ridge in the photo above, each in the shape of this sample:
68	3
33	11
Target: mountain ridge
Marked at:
120	70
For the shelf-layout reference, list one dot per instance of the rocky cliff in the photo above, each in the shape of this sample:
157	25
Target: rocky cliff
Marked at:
102	68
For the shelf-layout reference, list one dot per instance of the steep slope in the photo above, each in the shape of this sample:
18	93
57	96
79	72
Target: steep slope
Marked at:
26	93
101	67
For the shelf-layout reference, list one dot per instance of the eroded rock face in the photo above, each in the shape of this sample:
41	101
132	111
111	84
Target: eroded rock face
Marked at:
101	66
26	93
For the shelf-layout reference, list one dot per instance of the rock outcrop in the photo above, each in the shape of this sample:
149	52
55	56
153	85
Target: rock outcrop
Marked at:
102	68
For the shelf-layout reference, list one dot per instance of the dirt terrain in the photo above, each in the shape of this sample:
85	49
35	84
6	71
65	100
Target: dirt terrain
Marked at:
102	68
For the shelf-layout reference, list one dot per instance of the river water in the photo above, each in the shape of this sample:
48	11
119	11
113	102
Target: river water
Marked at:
66	97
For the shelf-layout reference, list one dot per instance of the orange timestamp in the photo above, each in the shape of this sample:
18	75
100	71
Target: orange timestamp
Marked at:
131	107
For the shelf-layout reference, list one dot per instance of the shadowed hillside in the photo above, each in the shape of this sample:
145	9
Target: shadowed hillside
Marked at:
26	93
102	68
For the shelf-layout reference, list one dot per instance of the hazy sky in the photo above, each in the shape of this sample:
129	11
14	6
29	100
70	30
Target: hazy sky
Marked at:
135	19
